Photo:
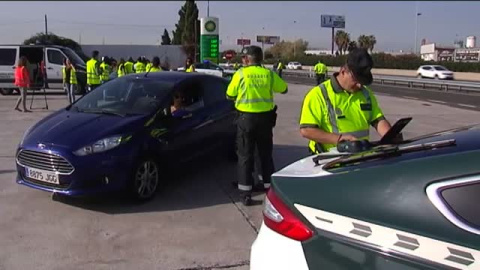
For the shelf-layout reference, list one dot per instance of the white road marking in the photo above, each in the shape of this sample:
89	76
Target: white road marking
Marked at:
467	105
407	97
437	101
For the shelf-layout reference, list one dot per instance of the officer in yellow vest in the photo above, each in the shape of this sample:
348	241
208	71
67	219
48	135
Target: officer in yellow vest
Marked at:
93	72
105	69
320	70
69	80
121	68
129	66
280	68
155	65
252	88
148	65
189	67
140	65
342	108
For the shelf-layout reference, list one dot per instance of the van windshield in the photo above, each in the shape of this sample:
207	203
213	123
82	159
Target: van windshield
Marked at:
73	56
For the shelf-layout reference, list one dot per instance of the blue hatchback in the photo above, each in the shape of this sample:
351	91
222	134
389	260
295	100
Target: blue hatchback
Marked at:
126	133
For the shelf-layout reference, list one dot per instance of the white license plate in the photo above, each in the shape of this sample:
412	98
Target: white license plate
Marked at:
42	175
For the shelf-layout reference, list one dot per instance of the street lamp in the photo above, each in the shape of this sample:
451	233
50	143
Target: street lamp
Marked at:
416	29
294	42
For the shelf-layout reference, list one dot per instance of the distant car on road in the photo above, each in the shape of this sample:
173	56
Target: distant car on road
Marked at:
412	205
434	72
124	135
294	65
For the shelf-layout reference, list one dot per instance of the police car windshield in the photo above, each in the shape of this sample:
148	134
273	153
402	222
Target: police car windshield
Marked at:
125	96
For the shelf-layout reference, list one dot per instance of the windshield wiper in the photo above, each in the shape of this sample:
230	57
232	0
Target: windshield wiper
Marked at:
388	152
100	112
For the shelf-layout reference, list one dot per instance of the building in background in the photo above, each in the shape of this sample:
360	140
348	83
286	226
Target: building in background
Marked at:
467	55
470	42
433	52
318	52
171	56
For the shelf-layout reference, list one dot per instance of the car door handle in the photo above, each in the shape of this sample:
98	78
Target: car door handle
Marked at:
50	68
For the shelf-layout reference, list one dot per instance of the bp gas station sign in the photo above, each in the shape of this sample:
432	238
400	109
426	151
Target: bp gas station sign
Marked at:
209	41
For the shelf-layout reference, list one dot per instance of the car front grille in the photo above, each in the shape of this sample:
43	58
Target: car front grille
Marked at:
44	161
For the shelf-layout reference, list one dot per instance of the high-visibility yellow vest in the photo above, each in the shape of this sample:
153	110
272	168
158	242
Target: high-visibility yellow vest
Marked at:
280	66
339	113
189	69
320	68
148	66
121	70
253	87
105	74
140	67
64	74
128	67
154	69
73	76
93	77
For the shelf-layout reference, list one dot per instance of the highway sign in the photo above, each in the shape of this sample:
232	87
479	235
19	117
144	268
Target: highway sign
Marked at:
268	39
243	42
332	21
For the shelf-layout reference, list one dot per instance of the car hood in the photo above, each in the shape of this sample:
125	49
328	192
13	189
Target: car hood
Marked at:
75	129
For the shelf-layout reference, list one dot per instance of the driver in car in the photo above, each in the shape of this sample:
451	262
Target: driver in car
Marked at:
342	108
178	106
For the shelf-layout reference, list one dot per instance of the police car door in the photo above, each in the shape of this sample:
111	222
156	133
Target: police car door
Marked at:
8	60
54	65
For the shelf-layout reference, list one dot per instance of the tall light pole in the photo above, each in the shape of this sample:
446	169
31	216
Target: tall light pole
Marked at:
263	42
417	14
208	8
294	42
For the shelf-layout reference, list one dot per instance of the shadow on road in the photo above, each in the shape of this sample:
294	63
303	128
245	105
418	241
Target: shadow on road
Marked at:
208	182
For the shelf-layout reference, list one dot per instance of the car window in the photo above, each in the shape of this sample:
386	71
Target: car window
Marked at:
125	96
55	57
8	57
440	68
188	96
215	90
464	201
427	68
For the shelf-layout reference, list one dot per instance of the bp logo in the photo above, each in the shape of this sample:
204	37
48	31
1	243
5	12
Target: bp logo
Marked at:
210	26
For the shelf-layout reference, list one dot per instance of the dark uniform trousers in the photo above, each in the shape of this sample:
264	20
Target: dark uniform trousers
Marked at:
254	132
320	78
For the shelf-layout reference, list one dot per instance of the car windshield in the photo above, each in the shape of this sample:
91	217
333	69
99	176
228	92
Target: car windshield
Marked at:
440	68
73	56
125	97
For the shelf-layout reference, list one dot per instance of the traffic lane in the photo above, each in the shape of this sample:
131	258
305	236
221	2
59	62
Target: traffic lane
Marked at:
193	223
460	100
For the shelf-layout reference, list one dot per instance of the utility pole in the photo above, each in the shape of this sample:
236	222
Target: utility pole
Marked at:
333	39
208	8
46	27
294	42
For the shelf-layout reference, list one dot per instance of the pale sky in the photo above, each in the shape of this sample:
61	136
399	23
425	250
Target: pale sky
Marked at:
136	22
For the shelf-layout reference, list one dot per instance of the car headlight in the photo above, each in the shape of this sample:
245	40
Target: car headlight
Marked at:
102	145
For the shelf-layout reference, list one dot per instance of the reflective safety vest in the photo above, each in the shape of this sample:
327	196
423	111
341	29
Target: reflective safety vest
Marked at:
189	69
105	73
253	87
339	113
121	70
73	76
148	66
128	67
64	74
280	66
154	69
93	77
235	66
140	67
320	68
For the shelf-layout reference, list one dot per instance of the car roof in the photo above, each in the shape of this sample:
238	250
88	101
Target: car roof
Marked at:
172	76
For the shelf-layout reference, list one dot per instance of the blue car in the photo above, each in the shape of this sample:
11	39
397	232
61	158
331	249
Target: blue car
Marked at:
126	133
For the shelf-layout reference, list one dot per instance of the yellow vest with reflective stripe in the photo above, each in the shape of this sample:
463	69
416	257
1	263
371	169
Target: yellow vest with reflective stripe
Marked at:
121	70
255	93
73	76
105	71
155	69
343	117
148	66
64	74
93	78
140	67
320	68
128	67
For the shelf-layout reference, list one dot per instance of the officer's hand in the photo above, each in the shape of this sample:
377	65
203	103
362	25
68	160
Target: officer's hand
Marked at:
348	137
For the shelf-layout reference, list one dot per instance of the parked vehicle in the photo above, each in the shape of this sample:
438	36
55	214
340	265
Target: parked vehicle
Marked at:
36	54
123	135
434	72
294	65
412	205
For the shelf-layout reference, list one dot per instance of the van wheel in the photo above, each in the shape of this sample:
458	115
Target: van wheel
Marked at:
6	91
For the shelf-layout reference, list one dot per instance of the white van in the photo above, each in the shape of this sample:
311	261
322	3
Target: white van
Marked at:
54	55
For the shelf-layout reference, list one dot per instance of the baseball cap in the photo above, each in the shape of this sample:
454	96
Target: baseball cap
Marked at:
360	63
253	51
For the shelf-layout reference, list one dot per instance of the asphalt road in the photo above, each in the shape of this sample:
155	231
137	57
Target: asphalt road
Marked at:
196	222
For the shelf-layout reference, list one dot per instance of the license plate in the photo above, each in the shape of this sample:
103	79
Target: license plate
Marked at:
41	175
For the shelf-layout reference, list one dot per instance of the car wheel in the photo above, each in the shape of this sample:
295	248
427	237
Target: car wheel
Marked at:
145	180
6	91
419	76
436	77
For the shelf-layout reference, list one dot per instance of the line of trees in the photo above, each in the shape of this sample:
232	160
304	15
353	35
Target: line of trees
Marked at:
345	43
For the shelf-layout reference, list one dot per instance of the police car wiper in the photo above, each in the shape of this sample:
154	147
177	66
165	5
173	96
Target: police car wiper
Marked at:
388	151
100	111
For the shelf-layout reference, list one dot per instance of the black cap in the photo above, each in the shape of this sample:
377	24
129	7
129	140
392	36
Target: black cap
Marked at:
254	51
360	63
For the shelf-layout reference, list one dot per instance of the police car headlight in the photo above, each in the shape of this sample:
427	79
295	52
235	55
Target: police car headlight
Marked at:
101	146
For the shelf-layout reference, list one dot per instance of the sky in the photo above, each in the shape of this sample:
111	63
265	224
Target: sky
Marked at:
137	22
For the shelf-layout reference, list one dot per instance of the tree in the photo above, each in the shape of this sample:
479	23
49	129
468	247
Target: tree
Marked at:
166	38
52	39
367	42
342	39
187	32
285	49
372	42
352	45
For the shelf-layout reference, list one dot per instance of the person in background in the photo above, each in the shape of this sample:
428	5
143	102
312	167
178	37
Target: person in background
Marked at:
72	81
105	69
121	68
320	72
93	72
66	75
139	65
280	68
189	67
22	80
129	66
155	65
148	64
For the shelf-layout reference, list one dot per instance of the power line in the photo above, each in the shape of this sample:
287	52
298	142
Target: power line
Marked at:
114	24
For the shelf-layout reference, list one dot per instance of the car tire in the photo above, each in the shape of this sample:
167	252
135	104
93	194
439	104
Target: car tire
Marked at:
436	77
6	91
145	180
419	76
